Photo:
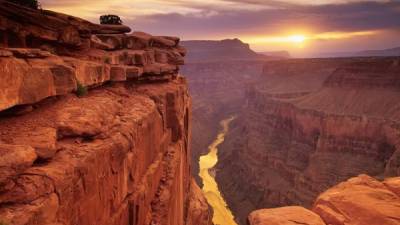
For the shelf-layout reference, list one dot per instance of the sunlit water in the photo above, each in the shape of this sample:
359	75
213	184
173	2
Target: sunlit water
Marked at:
222	214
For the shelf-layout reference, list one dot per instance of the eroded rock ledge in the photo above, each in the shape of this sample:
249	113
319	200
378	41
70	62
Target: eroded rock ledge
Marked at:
117	155
359	200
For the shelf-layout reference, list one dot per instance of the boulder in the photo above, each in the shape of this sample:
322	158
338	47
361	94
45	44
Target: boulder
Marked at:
291	215
357	201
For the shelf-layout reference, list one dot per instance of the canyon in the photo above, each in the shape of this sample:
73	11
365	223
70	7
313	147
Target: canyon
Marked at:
95	124
103	125
217	85
307	125
297	126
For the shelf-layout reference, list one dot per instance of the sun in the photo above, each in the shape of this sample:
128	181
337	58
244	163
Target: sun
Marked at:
296	38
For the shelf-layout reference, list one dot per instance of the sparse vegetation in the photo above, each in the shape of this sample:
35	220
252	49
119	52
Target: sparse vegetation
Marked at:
80	91
110	19
33	4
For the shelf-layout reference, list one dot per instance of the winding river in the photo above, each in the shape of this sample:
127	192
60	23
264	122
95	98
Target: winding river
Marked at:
222	214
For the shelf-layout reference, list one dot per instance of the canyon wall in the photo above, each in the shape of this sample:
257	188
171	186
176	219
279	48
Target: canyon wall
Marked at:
95	125
309	124
218	91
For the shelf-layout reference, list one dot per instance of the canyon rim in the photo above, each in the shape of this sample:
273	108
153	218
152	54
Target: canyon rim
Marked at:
123	123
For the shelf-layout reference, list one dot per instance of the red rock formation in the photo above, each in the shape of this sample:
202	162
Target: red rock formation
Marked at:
359	200
310	124
118	155
289	215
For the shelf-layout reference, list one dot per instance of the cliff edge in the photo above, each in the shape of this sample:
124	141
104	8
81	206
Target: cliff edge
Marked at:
94	124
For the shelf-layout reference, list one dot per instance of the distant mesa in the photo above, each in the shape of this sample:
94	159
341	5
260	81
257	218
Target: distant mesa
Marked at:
277	54
384	52
377	53
228	49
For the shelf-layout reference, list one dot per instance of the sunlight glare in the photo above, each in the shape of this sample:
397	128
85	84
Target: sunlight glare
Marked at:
297	38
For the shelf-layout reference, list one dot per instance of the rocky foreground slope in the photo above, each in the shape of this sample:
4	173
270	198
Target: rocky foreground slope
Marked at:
309	125
360	200
119	154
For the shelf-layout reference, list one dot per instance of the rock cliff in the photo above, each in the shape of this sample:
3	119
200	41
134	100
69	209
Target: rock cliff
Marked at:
310	124
94	124
359	200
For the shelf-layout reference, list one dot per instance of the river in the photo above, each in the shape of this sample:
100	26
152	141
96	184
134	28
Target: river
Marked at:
222	214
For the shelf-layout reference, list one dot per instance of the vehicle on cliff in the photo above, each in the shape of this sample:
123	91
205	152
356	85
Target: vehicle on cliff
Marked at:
110	19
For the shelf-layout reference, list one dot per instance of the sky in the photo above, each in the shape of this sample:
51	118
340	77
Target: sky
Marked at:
302	27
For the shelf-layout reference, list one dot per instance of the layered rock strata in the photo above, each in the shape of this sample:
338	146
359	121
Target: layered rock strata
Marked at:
119	154
308	125
218	92
359	200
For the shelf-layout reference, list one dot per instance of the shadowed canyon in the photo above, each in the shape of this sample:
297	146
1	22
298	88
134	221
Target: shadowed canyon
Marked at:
101	124
302	126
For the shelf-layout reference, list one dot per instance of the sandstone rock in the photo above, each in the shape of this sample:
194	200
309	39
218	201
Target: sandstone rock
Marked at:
89	121
29	53
163	42
117	155
90	73
110	29
41	211
14	160
22	84
5	53
161	56
197	207
64	79
26	189
182	51
359	200
139	40
133	72
42	139
290	215
175	58
70	36
96	42
393	184
115	41
118	73
175	39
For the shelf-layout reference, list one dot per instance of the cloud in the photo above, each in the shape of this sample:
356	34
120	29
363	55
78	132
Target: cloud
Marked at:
218	19
351	17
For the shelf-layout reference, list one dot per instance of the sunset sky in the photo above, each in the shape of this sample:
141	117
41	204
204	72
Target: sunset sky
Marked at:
303	27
